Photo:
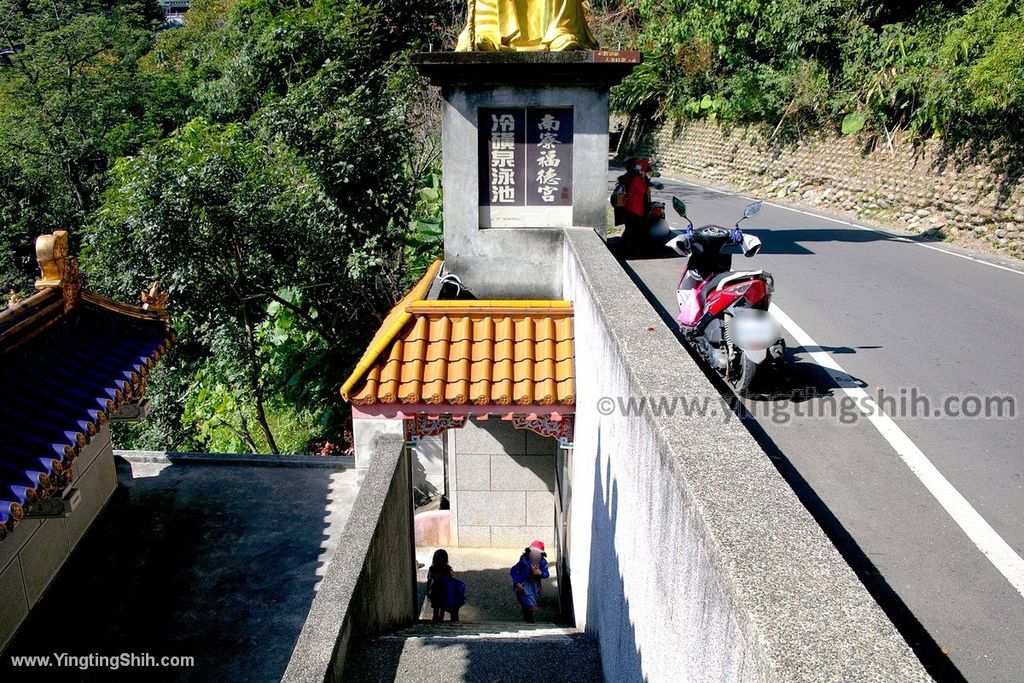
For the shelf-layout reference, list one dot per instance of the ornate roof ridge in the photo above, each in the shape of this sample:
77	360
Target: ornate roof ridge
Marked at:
94	360
393	323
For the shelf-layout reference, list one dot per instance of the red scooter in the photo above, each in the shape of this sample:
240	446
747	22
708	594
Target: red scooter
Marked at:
724	314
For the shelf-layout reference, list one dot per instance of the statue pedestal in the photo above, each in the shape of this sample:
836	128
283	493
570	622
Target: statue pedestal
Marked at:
525	155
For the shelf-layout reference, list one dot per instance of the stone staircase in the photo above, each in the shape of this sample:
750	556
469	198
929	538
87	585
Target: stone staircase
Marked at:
489	652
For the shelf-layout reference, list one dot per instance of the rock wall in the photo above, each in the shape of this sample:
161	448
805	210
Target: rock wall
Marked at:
922	188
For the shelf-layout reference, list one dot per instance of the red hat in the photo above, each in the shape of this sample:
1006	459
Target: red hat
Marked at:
537	545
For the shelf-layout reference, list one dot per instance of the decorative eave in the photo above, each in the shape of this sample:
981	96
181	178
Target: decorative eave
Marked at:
392	325
69	361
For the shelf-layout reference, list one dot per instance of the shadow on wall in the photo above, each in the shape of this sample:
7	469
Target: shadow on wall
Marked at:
608	615
424	492
217	563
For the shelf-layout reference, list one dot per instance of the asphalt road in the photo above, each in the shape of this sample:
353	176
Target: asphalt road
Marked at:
897	316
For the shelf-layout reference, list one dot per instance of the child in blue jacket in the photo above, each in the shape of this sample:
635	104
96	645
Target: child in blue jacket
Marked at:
527	575
447	594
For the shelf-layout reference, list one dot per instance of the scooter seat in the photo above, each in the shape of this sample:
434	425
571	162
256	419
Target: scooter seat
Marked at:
723	279
711	284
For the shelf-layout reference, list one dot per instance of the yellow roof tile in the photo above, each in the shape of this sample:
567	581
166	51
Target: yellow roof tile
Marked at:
460	352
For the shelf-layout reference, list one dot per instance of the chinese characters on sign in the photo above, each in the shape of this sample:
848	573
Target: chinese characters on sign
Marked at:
526	167
505	132
549	183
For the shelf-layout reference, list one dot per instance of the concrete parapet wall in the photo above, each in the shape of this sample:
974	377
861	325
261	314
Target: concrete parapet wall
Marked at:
690	557
370	585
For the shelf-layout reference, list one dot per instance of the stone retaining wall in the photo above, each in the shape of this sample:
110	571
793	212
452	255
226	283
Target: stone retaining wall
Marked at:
920	188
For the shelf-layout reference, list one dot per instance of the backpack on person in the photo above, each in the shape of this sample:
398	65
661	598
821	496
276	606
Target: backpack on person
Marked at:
621	192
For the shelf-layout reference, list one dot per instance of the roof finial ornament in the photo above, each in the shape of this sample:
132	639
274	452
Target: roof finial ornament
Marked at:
13	299
57	267
154	301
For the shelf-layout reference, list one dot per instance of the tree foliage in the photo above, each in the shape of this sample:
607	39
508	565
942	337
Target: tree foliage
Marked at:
935	68
267	163
71	99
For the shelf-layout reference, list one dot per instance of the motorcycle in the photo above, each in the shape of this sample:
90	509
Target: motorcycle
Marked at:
723	314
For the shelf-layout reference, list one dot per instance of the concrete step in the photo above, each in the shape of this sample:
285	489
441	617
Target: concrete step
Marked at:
489	652
491	629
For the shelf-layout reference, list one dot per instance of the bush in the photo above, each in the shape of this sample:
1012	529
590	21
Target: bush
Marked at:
936	68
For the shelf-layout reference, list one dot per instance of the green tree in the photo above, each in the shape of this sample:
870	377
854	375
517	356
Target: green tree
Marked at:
284	219
70	100
935	68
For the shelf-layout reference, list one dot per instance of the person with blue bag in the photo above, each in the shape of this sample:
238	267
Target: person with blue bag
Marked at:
446	593
527	575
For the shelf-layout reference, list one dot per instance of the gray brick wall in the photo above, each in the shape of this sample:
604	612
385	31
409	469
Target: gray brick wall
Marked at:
503	488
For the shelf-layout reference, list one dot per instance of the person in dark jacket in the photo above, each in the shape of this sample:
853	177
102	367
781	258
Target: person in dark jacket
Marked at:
446	593
527	575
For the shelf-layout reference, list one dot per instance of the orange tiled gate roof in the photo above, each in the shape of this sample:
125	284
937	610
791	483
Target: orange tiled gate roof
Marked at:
484	352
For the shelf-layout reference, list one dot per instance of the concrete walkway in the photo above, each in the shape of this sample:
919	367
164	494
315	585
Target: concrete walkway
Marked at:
215	562
490	643
489	596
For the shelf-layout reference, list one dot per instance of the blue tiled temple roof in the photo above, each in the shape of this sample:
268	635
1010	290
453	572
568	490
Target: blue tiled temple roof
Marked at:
68	361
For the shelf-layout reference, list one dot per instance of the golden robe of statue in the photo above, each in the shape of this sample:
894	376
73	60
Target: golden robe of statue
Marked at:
527	25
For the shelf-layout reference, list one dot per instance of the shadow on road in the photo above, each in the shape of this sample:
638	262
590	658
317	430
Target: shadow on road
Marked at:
793	240
800	381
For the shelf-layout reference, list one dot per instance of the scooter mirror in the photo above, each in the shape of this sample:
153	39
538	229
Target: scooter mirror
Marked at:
680	206
751	245
753	209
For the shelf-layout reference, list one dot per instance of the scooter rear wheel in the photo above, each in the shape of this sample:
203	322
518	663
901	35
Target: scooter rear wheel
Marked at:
746	369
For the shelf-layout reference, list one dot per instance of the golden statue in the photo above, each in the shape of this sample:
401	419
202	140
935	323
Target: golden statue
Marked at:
526	25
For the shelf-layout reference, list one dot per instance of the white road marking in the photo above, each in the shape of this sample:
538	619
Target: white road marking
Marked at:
893	236
981	533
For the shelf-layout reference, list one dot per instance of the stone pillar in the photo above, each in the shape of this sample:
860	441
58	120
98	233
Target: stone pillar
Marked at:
517	254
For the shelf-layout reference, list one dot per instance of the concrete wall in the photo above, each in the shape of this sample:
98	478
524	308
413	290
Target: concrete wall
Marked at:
530	258
503	481
427	466
690	557
366	431
923	187
34	552
370	585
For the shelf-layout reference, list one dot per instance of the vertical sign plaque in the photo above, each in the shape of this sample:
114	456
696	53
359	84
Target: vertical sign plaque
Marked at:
526	167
